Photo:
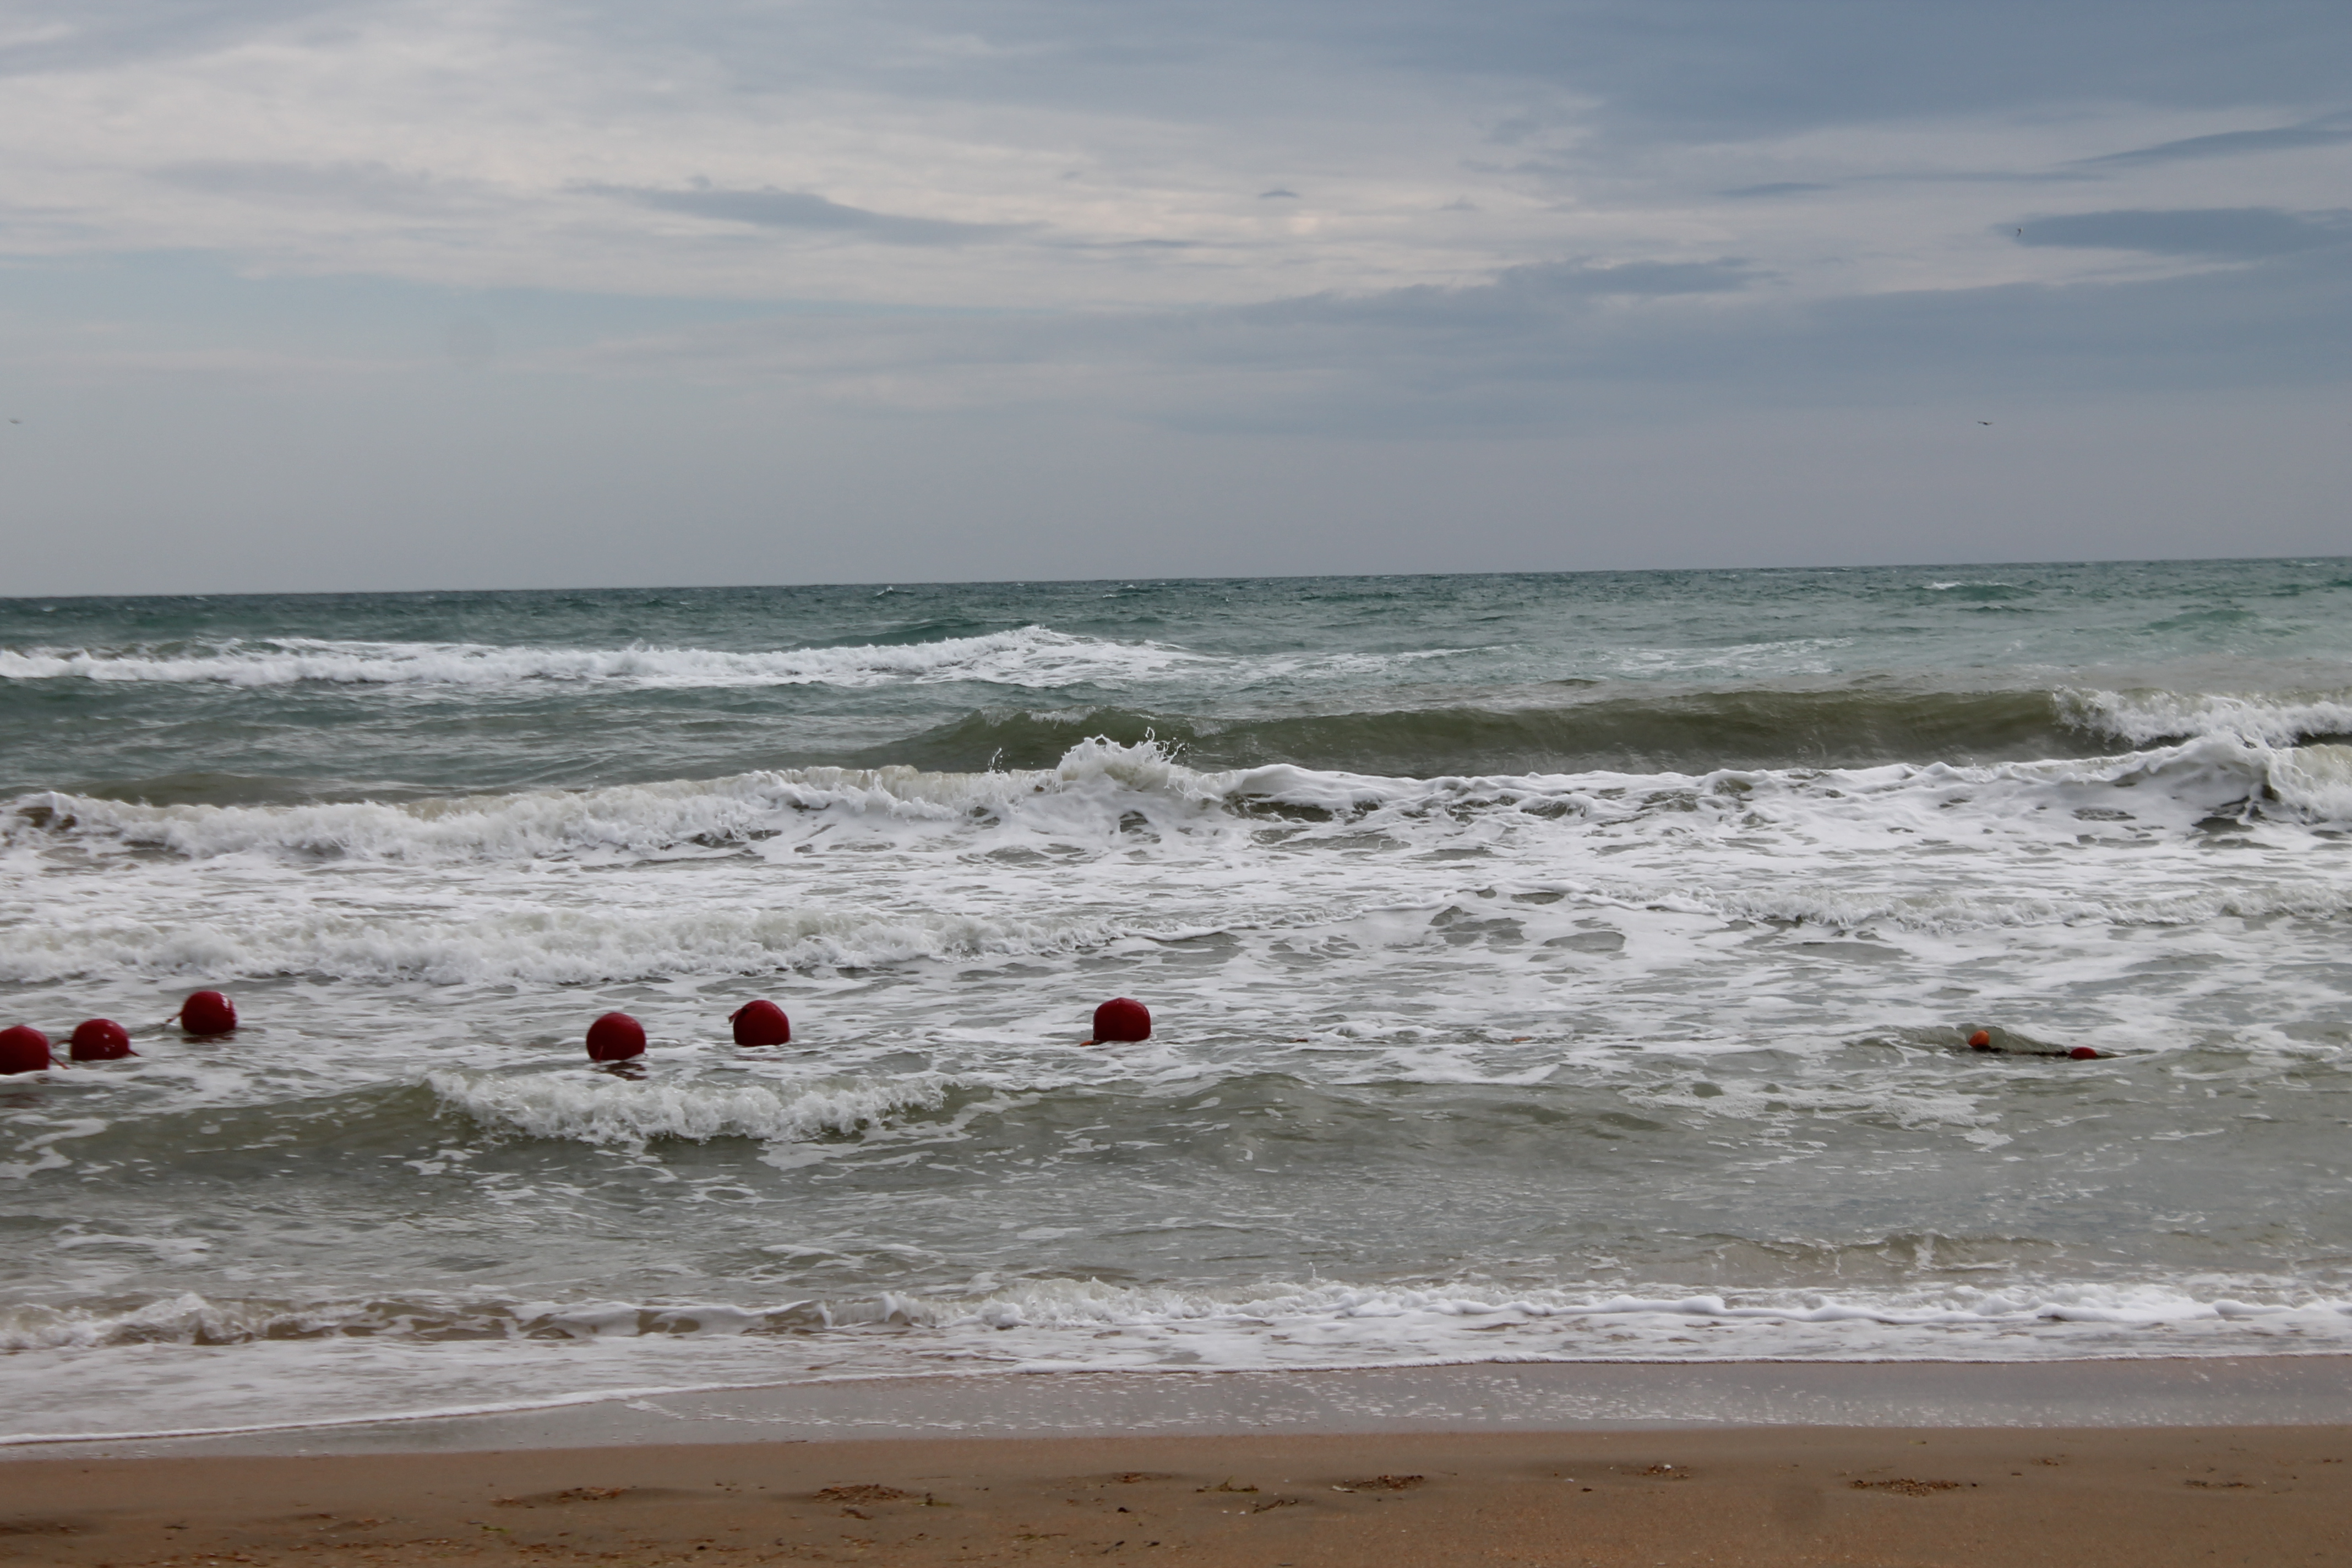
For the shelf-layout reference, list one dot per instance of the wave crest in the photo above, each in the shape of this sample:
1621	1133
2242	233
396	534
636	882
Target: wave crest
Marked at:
558	947
1028	656
629	1114
617	820
2148	716
1064	1320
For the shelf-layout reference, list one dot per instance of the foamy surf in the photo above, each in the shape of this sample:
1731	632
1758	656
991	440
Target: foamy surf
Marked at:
63	1387
2261	719
1098	783
1540	969
1027	657
631	1113
825	870
684	815
1354	1319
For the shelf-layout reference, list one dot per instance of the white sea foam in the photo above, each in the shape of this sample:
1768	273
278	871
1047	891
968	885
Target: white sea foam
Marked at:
593	1109
556	946
2265	719
1028	656
2316	781
626	819
1082	1304
86	1373
187	1318
1120	843
1797	656
1973	909
1062	1322
1105	780
1648	1065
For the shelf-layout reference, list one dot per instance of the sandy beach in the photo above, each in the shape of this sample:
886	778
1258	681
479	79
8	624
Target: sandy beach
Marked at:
2243	1460
1753	1496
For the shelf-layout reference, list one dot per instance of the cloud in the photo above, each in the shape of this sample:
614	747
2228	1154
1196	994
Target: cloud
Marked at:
84	35
1519	308
1774	188
1047	154
2214	232
1494	357
1978	177
1725	275
1543	346
1541	287
1559	348
1136	255
772	208
367	184
1702	69
2231	144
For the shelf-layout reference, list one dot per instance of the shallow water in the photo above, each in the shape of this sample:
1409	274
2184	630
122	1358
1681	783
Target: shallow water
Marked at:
1542	966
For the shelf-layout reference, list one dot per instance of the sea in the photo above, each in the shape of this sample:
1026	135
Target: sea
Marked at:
1541	967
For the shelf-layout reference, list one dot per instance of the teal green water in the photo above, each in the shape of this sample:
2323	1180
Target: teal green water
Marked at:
1570	965
313	696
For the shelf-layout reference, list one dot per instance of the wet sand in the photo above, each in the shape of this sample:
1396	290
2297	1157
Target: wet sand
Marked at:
1765	1496
1492	1396
2080	1463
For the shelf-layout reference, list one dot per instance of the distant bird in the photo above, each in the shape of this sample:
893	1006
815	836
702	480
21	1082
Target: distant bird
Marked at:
1984	421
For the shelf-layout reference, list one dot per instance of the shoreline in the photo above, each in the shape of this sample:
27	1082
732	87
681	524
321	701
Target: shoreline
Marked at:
1457	1397
1763	1497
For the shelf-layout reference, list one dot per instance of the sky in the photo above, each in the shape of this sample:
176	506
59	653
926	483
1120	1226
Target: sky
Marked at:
380	294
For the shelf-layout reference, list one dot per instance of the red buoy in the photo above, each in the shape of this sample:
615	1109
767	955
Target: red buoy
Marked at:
2084	1054
616	1038
208	1012
24	1050
1981	1039
761	1024
1123	1018
100	1040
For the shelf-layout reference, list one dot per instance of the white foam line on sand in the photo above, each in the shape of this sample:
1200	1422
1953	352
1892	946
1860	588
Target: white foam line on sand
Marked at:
2300	1390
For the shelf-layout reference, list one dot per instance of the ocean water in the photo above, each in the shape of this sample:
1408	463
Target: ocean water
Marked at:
1550	966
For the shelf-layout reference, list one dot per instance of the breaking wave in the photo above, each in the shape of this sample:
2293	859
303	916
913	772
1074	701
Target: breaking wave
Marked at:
1580	727
1060	1320
1098	781
1027	657
624	819
594	1109
558	947
1563	833
2148	716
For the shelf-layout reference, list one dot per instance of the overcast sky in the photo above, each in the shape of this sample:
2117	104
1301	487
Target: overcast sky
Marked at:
305	294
